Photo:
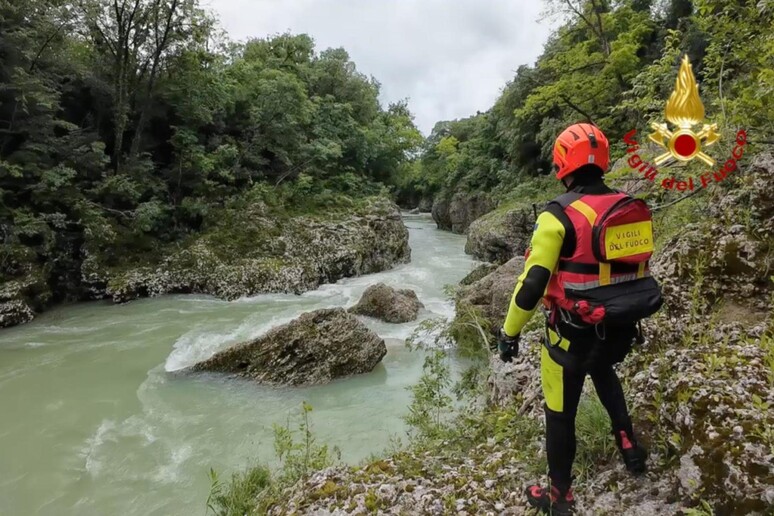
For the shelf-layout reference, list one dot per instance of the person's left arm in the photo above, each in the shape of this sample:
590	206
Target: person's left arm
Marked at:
546	246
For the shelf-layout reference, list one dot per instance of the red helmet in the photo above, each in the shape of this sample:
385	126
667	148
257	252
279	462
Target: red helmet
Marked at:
578	145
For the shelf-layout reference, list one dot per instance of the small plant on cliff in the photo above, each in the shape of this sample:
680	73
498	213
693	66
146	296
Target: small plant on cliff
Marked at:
239	495
300	457
253	491
431	403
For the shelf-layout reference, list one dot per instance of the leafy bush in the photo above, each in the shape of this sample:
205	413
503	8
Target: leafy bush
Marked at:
253	491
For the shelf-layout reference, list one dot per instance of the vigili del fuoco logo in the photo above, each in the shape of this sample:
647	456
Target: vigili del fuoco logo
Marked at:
685	111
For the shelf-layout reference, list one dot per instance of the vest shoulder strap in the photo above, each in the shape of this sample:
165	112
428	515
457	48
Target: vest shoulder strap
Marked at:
566	199
568	244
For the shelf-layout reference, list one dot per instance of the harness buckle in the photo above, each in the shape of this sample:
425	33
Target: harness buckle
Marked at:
566	317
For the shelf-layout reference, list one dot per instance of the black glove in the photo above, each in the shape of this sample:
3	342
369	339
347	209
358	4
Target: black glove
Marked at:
507	346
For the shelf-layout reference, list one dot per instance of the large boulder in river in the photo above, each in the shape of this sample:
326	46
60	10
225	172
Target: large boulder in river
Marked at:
316	348
388	304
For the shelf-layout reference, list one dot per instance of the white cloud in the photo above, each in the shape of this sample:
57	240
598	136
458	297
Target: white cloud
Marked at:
450	58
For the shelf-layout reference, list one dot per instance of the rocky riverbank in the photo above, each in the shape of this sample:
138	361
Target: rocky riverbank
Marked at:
248	252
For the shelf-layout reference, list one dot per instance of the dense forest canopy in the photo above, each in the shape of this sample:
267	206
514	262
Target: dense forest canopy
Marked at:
124	124
612	63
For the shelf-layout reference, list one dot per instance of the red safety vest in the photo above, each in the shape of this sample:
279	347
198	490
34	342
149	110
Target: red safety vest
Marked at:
584	270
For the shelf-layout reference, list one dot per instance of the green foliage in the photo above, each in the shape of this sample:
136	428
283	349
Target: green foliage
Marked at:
121	149
238	497
431	404
767	342
595	443
302	456
738	61
470	330
613	64
253	491
703	509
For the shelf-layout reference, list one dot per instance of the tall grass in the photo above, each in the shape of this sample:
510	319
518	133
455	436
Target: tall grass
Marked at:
596	445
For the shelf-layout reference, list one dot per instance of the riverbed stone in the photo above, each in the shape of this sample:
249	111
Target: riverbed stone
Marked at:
315	348
388	304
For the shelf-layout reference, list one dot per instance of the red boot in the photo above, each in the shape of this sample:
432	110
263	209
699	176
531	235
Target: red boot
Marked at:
551	501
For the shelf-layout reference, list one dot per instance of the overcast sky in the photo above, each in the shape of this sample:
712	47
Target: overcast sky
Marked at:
450	58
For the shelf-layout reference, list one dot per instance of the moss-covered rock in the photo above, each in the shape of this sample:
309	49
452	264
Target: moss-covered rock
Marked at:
388	304
22	297
258	253
729	254
702	391
502	234
315	348
491	294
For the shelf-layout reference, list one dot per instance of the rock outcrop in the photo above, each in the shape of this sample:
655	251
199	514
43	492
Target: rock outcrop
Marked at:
425	205
260	254
705	388
15	311
316	348
455	214
622	177
479	272
519	378
729	255
500	235
388	304
491	294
